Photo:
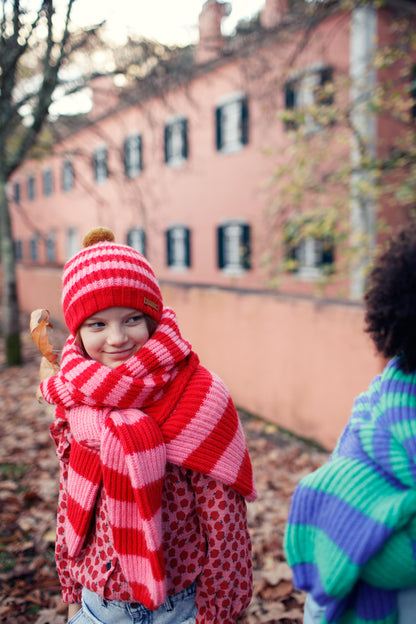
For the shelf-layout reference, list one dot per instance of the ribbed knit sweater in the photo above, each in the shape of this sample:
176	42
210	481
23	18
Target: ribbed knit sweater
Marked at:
351	532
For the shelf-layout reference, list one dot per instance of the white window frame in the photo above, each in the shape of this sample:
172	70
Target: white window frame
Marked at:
133	155
306	83
67	175
31	187
51	247
179	251
308	256
232	235
230	119
176	147
136	239
101	164
72	242
47	180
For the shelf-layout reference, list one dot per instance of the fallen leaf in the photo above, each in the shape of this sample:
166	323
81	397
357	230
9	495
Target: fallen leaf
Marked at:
39	323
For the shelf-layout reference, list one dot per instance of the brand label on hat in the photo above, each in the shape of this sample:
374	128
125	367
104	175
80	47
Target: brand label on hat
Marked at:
151	304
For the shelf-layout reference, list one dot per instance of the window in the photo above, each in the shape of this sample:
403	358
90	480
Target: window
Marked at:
16	192
178	241
100	165
34	248
232	124
133	163
308	254
136	238
51	247
176	142
47	182
31	192
18	249
234	247
304	91
72	243
67	176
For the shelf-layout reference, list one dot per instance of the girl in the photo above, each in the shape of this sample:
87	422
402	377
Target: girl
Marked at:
351	533
151	523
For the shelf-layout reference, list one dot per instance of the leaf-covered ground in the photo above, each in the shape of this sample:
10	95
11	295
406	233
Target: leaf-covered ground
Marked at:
29	588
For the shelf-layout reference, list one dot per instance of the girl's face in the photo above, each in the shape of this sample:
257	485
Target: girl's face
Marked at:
113	335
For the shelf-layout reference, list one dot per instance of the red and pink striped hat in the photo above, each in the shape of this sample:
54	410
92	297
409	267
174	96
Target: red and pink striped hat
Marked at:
104	275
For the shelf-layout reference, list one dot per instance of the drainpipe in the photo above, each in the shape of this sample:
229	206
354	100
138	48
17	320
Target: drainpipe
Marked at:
363	43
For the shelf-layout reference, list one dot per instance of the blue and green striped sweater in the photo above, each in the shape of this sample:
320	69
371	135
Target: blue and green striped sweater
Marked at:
351	533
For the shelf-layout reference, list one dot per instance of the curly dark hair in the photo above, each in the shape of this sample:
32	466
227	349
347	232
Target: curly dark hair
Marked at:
391	299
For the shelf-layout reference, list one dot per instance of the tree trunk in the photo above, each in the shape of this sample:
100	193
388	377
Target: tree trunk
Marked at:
9	297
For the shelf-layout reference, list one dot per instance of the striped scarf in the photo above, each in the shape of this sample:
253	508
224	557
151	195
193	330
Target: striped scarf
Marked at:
351	533
126	423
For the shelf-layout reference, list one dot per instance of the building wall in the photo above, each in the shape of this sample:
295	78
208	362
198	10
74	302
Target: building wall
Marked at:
287	356
297	362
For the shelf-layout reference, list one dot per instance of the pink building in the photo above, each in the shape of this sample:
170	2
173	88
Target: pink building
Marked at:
184	175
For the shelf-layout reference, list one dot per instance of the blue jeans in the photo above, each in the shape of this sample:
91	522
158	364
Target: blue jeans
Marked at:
177	609
406	606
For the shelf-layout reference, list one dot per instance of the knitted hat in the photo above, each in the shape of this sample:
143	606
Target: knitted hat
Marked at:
105	275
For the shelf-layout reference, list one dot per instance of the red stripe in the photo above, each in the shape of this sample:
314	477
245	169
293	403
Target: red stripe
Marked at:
212	448
78	517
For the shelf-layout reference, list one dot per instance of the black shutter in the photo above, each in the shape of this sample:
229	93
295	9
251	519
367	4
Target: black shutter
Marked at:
167	142
413	91
169	258
244	121
184	124
290	94
126	158
95	165
140	148
326	75
290	102
220	239
105	152
245	247
218	114
187	247
327	252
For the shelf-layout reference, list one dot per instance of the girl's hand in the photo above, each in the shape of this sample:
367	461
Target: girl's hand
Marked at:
47	369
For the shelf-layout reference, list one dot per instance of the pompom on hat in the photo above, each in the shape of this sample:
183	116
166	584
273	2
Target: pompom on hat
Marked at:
105	275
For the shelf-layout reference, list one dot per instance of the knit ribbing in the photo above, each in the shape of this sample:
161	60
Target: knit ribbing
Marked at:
107	275
351	532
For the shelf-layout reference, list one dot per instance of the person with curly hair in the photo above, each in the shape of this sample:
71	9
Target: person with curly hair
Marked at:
350	538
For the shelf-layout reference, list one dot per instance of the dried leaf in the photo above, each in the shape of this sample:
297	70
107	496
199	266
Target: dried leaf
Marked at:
39	322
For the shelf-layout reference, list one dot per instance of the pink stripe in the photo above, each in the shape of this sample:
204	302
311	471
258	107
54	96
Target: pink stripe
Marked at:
231	459
84	489
199	428
137	272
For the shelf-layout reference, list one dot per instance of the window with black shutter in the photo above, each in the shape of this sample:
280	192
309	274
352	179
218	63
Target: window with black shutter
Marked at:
305	91
67	176
178	247
233	247
100	165
47	182
176	142
31	192
308	254
133	162
232	124
136	238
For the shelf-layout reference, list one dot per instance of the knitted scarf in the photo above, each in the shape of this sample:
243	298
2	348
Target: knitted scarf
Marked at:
351	533
126	423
